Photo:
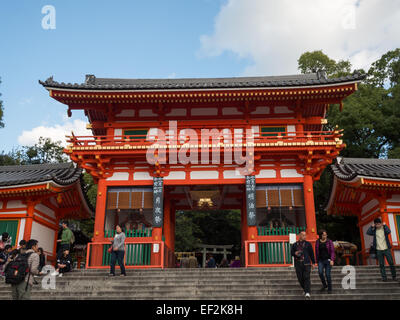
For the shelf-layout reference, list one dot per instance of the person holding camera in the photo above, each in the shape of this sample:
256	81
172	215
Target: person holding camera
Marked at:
304	261
381	244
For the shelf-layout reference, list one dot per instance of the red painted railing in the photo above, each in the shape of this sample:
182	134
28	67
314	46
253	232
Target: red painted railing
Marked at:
236	138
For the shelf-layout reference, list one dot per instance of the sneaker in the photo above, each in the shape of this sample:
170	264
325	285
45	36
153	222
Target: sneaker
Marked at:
55	273
323	289
308	296
60	275
384	280
330	291
111	275
123	275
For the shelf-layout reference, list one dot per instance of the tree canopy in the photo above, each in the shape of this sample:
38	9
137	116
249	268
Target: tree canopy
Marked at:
370	119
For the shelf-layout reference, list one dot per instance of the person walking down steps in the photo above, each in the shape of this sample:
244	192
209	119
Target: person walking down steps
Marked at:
304	261
381	244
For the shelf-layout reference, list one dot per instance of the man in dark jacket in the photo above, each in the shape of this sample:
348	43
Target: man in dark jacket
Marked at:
381	243
304	261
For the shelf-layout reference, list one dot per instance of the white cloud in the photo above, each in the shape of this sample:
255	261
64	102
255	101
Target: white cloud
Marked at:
56	132
274	33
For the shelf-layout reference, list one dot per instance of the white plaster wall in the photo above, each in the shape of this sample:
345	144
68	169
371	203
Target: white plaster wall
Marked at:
117	132
261	110
369	205
396	256
21	230
146	113
266	174
15	204
290	173
44	235
392	226
282	110
204	111
232	174
126	113
394	198
204	174
291	130
177	112
142	176
46	210
119	176
230	111
176	175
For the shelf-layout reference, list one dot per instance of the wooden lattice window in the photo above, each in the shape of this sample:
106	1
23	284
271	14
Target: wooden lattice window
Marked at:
298	197
261	201
273	198
112	200
286	197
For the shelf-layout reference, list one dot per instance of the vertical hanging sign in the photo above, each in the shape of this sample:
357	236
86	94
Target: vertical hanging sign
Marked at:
251	200
158	209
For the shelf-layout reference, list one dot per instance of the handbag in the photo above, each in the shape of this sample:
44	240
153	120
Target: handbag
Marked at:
110	249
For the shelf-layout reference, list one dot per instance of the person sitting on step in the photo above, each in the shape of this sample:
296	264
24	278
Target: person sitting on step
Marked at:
64	264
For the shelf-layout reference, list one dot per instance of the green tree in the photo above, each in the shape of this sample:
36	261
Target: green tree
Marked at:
45	151
311	62
1	112
217	227
370	119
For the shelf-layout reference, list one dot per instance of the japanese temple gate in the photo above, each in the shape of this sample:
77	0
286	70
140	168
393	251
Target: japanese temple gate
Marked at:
278	121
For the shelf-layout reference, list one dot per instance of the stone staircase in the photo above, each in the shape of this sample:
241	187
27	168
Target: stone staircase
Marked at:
210	284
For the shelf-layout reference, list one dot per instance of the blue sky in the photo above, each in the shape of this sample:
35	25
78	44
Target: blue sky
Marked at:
174	38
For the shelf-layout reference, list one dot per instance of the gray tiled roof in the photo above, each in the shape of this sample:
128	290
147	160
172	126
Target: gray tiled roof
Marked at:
94	83
349	168
60	173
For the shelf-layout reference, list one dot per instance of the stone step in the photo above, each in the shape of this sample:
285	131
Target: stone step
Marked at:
127	287
206	295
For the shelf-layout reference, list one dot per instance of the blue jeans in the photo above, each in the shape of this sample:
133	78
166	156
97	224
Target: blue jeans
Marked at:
117	255
325	265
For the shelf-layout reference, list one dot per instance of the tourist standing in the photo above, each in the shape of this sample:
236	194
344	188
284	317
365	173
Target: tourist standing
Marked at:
22	247
325	256
66	239
211	262
5	240
381	243
118	251
304	261
21	289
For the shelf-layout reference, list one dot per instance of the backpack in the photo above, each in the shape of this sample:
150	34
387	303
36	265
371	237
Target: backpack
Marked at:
17	269
72	238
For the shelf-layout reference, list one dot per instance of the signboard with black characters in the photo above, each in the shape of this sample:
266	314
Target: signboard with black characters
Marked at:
158	208
251	200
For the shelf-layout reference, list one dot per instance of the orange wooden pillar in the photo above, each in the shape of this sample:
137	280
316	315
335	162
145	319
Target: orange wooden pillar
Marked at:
309	208
96	254
167	223
29	219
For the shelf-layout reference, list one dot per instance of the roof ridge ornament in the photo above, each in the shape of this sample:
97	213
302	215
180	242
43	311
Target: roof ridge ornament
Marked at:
321	74
90	79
